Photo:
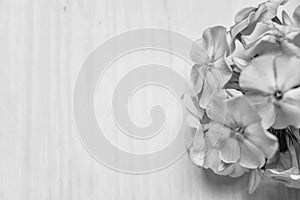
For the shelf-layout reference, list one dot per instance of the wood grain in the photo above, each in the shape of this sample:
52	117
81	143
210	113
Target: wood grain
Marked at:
42	45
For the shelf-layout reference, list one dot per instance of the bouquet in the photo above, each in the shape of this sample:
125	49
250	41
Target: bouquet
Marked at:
246	106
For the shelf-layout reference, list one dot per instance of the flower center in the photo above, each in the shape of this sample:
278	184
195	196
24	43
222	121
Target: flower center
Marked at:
240	133
209	66
240	130
278	95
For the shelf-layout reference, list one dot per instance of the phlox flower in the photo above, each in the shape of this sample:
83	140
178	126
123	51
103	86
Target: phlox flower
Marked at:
247	18
285	169
237	133
210	71
273	87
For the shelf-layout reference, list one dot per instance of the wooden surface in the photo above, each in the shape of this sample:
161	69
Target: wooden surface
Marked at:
42	44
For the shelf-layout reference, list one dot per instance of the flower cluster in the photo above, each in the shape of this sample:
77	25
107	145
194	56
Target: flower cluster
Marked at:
246	107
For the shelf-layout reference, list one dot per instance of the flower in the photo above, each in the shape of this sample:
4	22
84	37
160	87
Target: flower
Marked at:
246	80
279	39
203	154
210	71
273	87
195	111
202	151
290	177
237	133
275	37
285	169
247	18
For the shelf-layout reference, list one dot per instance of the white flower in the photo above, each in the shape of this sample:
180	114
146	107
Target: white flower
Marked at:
238	134
273	87
205	155
202	152
279	39
247	18
274	37
210	71
286	169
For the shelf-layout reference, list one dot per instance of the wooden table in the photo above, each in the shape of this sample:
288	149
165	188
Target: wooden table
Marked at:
42	44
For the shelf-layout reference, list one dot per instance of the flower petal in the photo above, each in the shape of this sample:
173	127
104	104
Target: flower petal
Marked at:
238	170
192	105
241	112
262	139
210	85
291	107
296	15
192	121
230	152
280	119
290	178
218	135
286	18
271	7
231	169
254	180
212	160
243	14
288	72
198	149
197	78
215	42
222	72
198	53
216	108
264	106
265	45
251	157
259	75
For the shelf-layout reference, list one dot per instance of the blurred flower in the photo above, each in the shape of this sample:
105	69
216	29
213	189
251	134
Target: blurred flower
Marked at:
285	169
247	18
273	87
237	133
290	177
210	71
